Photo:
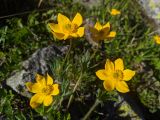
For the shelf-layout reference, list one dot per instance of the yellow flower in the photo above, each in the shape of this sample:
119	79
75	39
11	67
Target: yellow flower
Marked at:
115	76
44	89
157	39
101	32
66	28
115	12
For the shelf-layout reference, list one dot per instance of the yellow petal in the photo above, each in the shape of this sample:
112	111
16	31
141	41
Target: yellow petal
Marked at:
63	20
98	26
157	39
34	105
102	74
80	31
77	19
49	80
40	79
107	26
122	86
119	64
112	34
55	28
37	88
93	30
55	89
73	35
115	12
128	74
29	86
66	36
59	36
109	66
36	100
105	31
109	85
94	34
48	100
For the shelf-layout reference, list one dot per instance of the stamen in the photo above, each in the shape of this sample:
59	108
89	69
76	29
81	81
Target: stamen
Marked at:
118	75
47	90
72	28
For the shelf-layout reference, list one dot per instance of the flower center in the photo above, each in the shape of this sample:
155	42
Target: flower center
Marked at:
101	32
118	75
47	90
71	28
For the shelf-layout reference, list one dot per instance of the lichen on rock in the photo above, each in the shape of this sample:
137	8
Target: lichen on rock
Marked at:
152	11
37	63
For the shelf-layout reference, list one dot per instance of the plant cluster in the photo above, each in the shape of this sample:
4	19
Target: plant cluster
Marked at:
98	50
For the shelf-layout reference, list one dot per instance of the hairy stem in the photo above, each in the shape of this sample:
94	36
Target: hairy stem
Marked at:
68	52
97	102
75	87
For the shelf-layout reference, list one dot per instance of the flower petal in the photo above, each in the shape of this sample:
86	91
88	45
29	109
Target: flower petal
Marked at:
128	74
36	88
66	36
119	64
115	12
93	30
48	100
39	97
73	35
107	25
55	28
49	80
95	36
109	66
59	36
63	20
98	26
55	89
109	85
29	86
40	79
34	104
157	39
102	74
77	19
112	34
122	86
36	100
105	31
80	31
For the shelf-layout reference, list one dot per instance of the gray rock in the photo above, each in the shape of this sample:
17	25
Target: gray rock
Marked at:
89	3
152	10
37	63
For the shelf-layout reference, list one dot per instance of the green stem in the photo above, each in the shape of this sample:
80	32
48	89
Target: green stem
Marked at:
60	102
75	87
94	53
97	102
69	50
66	57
